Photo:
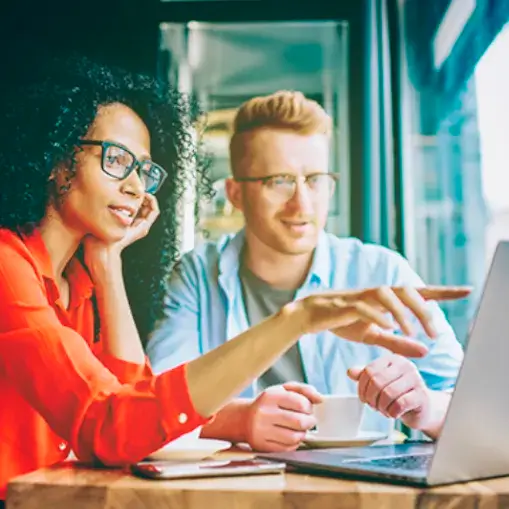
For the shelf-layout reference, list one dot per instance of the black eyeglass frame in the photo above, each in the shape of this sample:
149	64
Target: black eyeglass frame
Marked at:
136	162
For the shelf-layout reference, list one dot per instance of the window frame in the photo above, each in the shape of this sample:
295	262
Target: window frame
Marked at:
353	13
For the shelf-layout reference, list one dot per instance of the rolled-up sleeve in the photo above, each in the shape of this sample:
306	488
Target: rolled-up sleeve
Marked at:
57	373
126	372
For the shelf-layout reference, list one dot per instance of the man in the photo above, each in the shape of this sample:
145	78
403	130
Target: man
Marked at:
281	183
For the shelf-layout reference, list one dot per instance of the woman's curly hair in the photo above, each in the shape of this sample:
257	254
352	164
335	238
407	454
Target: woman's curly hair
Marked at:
43	116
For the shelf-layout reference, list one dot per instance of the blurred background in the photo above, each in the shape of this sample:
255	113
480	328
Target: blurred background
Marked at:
418	91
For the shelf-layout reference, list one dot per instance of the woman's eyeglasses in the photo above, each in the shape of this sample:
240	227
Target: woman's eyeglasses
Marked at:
119	162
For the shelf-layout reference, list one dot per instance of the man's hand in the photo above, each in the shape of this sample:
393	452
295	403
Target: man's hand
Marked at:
279	418
371	315
393	386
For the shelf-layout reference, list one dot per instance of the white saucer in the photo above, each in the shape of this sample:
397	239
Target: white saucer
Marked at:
362	439
191	451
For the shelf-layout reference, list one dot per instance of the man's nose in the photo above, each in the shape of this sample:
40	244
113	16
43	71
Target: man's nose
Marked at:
302	199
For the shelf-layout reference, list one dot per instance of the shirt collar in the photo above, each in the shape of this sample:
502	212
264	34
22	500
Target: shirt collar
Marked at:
79	280
320	271
35	244
231	249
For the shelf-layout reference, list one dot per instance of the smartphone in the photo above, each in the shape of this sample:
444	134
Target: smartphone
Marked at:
165	470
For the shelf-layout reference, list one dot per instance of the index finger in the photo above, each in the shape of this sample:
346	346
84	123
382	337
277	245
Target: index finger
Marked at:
149	210
438	292
152	204
296	402
397	344
306	390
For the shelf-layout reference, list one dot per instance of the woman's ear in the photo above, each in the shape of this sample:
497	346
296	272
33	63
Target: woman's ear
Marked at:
53	175
62	175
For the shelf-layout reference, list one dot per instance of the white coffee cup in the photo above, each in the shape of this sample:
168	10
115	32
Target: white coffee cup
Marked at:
338	416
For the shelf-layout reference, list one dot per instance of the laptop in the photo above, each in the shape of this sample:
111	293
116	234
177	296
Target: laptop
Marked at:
474	443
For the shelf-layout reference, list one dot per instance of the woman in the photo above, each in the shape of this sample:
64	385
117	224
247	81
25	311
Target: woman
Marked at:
84	150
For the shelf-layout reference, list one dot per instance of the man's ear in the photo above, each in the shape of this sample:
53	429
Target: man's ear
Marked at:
234	193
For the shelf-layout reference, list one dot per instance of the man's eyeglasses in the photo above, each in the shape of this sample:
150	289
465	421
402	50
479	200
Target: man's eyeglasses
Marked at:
284	185
119	162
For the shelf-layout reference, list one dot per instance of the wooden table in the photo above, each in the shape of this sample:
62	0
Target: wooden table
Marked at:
72	486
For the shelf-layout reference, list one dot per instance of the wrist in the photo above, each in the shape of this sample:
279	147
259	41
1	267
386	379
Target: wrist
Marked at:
296	316
434	416
244	414
105	268
231	423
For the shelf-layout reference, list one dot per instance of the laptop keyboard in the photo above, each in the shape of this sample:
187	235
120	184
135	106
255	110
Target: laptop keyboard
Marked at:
404	462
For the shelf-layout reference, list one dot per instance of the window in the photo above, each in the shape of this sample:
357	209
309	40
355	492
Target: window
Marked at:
455	129
225	64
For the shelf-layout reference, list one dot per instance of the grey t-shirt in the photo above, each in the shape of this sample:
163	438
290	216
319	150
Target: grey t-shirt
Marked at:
262	300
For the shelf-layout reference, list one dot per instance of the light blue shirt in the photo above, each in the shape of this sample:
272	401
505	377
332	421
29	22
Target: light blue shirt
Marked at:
204	309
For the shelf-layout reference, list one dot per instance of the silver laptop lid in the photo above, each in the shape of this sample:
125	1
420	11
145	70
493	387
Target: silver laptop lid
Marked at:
474	442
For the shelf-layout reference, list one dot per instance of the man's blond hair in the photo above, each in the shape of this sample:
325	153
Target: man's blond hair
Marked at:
286	110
